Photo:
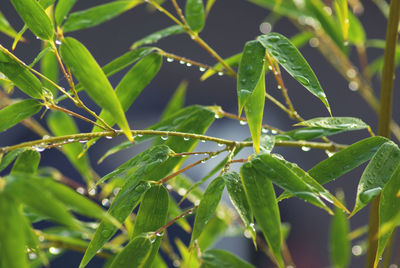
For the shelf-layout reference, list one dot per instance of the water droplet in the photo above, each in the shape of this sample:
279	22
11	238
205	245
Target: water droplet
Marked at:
176	263
203	161
186	138
109	137
214	156
314	42
191	212
181	191
80	190
242	122
169	187
54	250
188	64
265	130
265	27
181	62
159	235
197	202
139	135
70	140
246	234
356	250
270	67
304	81
203	141
274	132
45	137
83	141
170	59
220	73
351	73
353	86
202	69
92	192
220	144
58	42
32	255
279	87
217	116
164	138
305	148
39	149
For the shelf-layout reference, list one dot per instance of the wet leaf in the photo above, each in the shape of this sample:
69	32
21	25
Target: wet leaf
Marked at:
294	63
339	241
49	68
376	174
308	133
5	27
62	9
239	200
254	108
176	102
33	196
12	242
207	206
251	69
96	15
194	12
62	124
95	82
27	162
215	229
33	243
232	61
135	254
347	123
157	36
261	196
16	112
20	75
34	16
218	258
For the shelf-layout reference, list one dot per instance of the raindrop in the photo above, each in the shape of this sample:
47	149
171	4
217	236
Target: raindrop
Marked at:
39	149
54	250
92	192
247	234
105	202
181	191
274	39
203	161
169	187
83	141
116	190
170	59
58	42
188	64
314	42
80	190
176	263
353	86
279	87
217	116
45	137
181	62
265	27
220	144
109	137
197	202
139	135
305	148
270	67
264	130
242	122
302	80
32	255
70	140
351	73
186	138
203	141
356	250
164	138
220	73
159	235
274	132
202	69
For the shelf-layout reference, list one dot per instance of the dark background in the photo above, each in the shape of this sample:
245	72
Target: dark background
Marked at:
230	24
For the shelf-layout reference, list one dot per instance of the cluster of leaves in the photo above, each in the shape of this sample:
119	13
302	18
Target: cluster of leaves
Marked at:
30	194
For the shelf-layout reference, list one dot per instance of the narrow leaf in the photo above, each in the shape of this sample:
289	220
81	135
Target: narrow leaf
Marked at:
35	18
49	68
218	258
215	229
254	108
376	174
357	35
16	112
294	63
96	84
308	133
134	254
194	12
62	9
5	27
9	157
27	162
157	36
261	196
12	242
347	123
96	15
342	13
207	206
251	69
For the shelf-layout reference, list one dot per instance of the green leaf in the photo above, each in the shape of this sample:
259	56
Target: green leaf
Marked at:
20	75
294	63
34	16
33	196
207	206
357	35
27	162
9	157
96	15
95	82
49	67
285	8
174	211
5	27
261	196
189	258
135	254
33	243
308	133
346	123
194	12
131	85
254	108
251	69
376	174
339	241
388	211
214	230
151	216
239	200
218	258
62	9
40	56
209	5
157	36
176	102
16	112
62	124
232	61
342	13
12	242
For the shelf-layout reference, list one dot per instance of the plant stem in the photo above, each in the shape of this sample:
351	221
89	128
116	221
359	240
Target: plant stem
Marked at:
385	115
189	211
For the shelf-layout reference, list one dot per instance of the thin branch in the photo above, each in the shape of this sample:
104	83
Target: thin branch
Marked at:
189	211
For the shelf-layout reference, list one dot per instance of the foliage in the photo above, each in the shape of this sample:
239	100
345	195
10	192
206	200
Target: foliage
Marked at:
124	216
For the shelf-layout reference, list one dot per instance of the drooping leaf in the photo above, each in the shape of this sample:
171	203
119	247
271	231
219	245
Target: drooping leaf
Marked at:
376	174
33	196
62	9
62	124
218	258
12	242
20	75
16	112
96	15
135	254
176	102
5	27
157	36
27	162
339	241
254	108
251	69
261	196
346	123
49	68
207	206
232	61
96	84
239	200
194	12
294	63
34	16
9	157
